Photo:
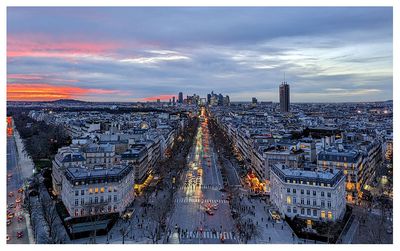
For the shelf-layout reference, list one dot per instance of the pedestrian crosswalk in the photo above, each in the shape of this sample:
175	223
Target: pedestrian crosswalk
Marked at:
209	235
194	200
209	187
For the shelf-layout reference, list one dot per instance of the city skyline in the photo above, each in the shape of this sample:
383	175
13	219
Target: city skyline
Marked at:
96	54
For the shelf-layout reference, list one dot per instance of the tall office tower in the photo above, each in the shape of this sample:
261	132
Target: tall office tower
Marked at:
173	100
284	97
180	98
208	98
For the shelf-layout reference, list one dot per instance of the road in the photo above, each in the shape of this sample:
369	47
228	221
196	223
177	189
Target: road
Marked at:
200	193
14	182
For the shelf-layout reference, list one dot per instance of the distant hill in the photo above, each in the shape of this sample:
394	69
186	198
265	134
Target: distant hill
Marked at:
68	101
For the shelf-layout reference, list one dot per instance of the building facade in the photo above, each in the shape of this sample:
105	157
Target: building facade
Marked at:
312	195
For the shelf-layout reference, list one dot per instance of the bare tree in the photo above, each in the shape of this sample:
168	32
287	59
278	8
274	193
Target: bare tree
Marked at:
49	216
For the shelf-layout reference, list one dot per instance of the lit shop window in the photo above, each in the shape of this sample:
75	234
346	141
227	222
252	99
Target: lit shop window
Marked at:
102	190
289	200
96	190
323	214
90	190
330	216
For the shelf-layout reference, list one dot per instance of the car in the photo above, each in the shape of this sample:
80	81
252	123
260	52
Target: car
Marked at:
18	200
11	205
10	215
8	237
10	194
21	190
20	234
9	222
9	175
275	215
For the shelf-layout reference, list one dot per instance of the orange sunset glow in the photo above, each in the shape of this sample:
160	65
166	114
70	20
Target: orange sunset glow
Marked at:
164	97
46	92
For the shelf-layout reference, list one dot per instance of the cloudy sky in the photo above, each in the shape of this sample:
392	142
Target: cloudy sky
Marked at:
137	54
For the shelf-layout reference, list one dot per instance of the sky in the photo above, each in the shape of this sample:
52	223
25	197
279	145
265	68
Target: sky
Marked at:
326	54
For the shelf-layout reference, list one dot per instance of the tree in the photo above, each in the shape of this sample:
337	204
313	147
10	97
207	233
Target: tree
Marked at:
50	216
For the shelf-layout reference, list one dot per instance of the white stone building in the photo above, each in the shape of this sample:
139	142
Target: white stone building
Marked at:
312	195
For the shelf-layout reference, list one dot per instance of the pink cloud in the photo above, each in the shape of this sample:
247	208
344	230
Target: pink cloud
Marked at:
42	46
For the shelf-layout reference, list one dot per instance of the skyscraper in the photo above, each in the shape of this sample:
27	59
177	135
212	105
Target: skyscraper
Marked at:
180	98
173	100
284	97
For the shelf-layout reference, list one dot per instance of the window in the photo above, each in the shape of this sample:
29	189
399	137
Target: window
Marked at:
76	212
294	190
76	193
102	190
115	207
295	210
302	191
323	194
90	190
101	199
323	214
322	203
302	211
330	215
314	193
315	213
302	201
294	200
329	204
109	208
314	202
289	200
308	192
76	202
288	190
109	198
110	189
308	211
90	200
308	201
82	211
96	190
289	210
96	200
82	192
329	195
82	201
115	198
